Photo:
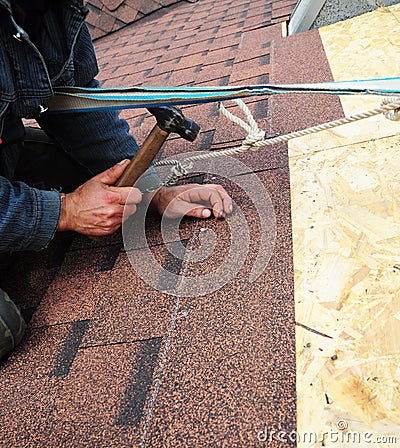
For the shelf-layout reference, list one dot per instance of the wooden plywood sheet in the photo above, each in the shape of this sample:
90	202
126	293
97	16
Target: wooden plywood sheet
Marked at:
346	231
345	187
365	47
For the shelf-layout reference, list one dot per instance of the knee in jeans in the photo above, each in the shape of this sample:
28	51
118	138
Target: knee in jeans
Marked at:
12	324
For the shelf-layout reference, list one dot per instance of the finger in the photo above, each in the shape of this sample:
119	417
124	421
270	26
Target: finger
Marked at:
224	194
127	195
226	199
115	216
110	176
199	212
109	214
109	230
183	208
209	195
129	209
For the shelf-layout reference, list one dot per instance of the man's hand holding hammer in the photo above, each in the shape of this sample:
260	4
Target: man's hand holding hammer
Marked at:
97	207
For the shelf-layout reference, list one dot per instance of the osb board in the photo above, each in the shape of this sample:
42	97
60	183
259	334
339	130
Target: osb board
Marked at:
345	187
346	214
365	47
361	48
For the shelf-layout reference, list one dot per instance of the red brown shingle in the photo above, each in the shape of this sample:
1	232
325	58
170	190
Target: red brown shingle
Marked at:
119	13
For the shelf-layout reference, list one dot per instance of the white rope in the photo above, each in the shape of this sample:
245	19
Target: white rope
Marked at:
393	114
256	137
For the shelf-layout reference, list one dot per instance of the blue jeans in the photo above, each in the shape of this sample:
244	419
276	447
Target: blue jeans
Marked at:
39	163
42	164
31	172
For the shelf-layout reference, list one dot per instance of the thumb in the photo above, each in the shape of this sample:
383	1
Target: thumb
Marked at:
194	210
110	176
199	212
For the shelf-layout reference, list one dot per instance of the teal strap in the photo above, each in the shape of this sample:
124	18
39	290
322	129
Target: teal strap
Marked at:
77	99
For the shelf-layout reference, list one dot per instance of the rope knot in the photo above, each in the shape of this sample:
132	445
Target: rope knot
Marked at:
253	140
180	169
255	136
394	113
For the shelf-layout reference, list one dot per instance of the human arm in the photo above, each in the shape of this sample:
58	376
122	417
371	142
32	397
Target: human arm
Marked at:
28	217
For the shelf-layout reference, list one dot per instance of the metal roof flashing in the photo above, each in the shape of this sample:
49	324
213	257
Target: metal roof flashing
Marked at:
318	13
304	15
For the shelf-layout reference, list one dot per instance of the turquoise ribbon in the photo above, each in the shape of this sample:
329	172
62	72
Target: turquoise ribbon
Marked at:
78	99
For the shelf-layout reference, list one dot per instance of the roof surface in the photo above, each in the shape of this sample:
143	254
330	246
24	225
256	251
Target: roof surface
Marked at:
106	16
109	359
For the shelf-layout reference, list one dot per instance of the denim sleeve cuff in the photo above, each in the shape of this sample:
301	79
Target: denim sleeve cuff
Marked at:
47	217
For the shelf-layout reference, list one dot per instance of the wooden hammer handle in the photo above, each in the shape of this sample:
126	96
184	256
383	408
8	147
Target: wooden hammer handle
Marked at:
143	158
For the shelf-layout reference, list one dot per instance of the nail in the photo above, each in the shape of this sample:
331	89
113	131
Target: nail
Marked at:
206	213
123	162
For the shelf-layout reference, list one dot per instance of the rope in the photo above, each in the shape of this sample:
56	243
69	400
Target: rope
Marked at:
394	113
255	139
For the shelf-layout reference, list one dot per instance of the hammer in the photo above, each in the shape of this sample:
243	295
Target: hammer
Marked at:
169	119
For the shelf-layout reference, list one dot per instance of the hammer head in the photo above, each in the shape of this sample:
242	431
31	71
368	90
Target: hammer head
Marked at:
170	119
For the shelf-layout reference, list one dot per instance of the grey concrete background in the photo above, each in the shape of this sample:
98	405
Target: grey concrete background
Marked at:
337	10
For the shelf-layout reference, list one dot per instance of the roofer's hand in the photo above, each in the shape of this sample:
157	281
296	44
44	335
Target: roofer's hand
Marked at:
96	208
199	201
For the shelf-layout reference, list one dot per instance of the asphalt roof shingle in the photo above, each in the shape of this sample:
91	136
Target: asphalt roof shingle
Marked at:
109	360
106	16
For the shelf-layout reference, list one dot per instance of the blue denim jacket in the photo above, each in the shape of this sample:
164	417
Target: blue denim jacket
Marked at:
62	55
